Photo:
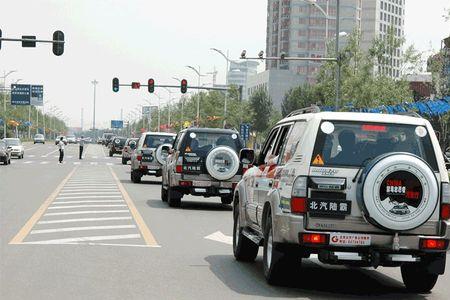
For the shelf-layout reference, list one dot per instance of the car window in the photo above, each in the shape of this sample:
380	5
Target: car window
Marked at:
154	141
355	143
281	139
292	142
268	146
13	142
201	143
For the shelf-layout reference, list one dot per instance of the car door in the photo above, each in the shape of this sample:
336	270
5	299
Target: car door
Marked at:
266	179
253	181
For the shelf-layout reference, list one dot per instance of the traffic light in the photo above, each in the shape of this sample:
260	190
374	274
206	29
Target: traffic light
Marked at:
151	85
58	48
183	86
135	85
115	84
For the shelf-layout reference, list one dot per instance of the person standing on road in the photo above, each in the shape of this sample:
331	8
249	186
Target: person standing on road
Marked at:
81	147
61	150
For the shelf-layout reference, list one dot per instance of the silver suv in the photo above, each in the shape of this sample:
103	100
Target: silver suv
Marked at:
148	157
203	162
355	189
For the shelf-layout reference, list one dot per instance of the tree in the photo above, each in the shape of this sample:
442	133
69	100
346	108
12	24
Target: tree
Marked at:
300	97
261	107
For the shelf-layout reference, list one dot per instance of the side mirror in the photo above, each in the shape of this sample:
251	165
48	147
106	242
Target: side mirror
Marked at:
247	156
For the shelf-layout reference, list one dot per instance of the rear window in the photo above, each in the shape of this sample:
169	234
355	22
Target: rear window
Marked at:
154	141
353	144
202	142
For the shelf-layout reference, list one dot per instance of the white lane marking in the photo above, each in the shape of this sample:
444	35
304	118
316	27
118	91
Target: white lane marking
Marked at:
91	181
31	155
90	184
87	205
86	212
70	156
65	193
88	190
44	162
76	163
68	229
109	164
45	155
84	220
89	197
94	163
28	162
218	236
89	201
87	239
120	245
74	186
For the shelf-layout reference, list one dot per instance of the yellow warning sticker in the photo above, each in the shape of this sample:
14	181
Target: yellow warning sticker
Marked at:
318	160
188	149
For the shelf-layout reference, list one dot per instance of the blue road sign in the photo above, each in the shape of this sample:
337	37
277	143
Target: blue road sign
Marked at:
20	94
116	124
37	95
1	121
245	131
27	123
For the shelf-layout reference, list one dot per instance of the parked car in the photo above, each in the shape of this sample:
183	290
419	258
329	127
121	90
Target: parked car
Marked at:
39	138
128	149
357	189
203	162
71	139
16	146
149	155
116	145
58	138
5	153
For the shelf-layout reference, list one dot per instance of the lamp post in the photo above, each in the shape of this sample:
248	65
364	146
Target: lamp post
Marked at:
199	94
94	83
168	104
338	67
4	99
159	111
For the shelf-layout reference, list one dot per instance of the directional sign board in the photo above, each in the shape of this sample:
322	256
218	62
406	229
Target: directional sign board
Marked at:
116	124
245	131
37	95
27	94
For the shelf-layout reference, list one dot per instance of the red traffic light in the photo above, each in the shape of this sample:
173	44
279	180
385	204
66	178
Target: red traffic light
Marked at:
183	86
135	85
151	85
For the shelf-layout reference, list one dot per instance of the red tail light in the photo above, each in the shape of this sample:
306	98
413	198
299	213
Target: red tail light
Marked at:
298	205
179	169
185	183
314	239
433	244
445	211
139	157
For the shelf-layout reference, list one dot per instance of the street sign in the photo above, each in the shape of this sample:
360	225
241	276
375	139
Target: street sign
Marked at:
146	110
116	124
245	131
37	95
20	94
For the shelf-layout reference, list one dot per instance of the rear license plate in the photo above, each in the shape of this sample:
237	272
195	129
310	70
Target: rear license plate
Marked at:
201	183
349	239
153	167
333	207
191	168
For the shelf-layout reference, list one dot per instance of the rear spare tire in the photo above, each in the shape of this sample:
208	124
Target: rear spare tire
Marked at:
161	156
222	163
398	192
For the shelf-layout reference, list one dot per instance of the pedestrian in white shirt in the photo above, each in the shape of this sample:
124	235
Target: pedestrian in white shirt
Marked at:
61	150
81	147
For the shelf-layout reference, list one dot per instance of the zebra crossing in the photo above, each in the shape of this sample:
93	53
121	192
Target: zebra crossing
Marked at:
90	208
75	163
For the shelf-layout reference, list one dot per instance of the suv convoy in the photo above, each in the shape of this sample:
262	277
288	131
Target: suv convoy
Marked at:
106	138
356	189
203	162
116	145
149	156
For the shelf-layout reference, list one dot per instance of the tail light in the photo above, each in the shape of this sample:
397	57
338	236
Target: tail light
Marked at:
299	195
313	239
139	157
445	201
185	183
179	165
433	244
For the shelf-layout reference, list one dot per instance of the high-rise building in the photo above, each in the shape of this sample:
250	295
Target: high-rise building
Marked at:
239	72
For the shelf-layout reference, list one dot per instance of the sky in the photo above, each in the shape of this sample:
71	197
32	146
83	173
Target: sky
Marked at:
135	40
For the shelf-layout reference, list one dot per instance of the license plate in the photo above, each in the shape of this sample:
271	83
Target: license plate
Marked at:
192	168
153	167
349	239
326	206
201	183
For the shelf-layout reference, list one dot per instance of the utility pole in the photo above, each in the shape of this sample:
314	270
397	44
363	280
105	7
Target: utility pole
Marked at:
338	69
94	82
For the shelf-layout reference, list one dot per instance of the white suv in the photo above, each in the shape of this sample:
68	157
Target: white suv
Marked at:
356	189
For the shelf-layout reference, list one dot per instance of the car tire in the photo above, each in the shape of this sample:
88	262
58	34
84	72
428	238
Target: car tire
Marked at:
279	266
226	200
136	177
417	279
124	161
163	194
9	161
243	248
172	198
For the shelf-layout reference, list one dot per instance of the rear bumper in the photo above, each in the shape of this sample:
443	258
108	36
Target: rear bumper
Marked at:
201	186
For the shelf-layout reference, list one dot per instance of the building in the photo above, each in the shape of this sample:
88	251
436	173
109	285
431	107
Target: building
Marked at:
379	17
275	82
421	85
239	72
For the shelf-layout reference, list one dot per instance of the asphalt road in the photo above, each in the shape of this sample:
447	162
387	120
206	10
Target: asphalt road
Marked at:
82	230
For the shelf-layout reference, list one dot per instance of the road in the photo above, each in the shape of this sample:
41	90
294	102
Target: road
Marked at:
82	230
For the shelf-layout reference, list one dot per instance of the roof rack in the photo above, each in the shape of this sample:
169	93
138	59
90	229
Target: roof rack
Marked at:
307	110
409	113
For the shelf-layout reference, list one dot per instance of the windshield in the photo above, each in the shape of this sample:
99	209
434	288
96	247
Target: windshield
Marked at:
201	143
38	136
153	141
13	142
356	143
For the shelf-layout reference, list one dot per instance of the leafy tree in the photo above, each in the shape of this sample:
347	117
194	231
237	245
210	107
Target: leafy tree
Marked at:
300	97
261	107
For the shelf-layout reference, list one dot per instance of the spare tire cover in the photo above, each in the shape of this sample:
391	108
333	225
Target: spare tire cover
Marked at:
222	163
161	156
398	192
117	141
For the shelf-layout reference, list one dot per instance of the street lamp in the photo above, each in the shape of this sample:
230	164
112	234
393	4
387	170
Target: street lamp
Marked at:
338	68
168	113
159	111
4	98
199	94
94	83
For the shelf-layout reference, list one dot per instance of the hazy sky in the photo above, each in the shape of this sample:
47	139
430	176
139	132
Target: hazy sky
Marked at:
138	39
